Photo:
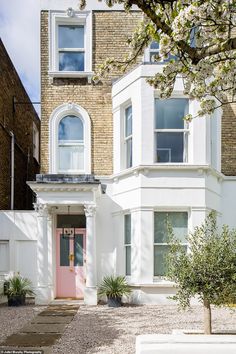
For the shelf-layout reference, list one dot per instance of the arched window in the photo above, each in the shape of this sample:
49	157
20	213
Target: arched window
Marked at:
71	144
70	140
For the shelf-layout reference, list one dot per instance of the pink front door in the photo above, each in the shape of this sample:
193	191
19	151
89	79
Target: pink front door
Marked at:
70	262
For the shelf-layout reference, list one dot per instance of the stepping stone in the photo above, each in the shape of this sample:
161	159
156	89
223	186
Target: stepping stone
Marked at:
34	350
31	339
52	319
44	328
59	313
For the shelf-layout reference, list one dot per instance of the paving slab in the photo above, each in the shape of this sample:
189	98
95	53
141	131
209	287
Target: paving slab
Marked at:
31	340
52	319
61	313
44	328
25	350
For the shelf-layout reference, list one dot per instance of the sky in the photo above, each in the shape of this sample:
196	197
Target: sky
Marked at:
19	31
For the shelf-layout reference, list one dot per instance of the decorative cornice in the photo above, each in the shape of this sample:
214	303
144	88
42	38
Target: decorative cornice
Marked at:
70	12
41	209
90	210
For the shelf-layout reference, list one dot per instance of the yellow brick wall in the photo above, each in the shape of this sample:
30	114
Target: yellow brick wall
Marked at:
110	32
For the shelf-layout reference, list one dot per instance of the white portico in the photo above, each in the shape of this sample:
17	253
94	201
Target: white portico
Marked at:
66	209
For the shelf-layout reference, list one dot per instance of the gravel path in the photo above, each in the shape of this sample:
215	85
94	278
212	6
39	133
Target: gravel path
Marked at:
100	329
14	318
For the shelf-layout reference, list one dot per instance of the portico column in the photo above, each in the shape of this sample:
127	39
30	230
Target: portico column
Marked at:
43	295
90	293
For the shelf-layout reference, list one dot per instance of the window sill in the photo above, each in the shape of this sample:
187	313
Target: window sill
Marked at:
155	284
71	74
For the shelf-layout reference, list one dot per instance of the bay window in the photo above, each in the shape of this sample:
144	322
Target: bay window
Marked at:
179	224
171	131
128	137
127	242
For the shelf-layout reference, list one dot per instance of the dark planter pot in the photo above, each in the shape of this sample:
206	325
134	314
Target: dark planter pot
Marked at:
16	300
114	301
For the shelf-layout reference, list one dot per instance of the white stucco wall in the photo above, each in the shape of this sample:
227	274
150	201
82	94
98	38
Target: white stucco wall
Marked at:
20	229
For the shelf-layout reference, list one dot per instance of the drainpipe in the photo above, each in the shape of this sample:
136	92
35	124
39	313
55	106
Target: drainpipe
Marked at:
12	168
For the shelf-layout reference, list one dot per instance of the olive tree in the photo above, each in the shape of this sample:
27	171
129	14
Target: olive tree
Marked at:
201	37
207	270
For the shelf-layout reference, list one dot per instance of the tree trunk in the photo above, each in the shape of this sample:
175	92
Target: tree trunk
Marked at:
207	317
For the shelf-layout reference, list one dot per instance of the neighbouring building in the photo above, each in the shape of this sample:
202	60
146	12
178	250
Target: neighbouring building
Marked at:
116	162
19	139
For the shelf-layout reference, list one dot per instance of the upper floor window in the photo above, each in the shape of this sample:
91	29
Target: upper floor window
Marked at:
171	131
179	224
70	140
71	144
71	51
70	44
128	137
152	51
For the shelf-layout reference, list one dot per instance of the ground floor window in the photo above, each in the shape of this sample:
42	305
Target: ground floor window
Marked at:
179	223
127	242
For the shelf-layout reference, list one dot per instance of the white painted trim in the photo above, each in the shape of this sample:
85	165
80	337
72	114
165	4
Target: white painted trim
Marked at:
59	113
80	18
95	5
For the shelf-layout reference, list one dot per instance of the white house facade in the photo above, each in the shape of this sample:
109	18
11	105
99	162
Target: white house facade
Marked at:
88	224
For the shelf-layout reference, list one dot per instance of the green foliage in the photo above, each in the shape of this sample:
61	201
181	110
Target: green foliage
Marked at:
208	270
112	286
19	286
198	34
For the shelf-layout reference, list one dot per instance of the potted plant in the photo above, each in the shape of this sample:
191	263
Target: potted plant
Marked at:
114	287
16	290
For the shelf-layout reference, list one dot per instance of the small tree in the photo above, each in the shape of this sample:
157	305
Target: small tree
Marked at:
208	270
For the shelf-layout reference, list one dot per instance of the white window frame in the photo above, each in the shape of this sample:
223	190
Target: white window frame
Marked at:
123	139
185	131
147	55
35	142
66	143
61	18
128	245
159	277
128	138
56	116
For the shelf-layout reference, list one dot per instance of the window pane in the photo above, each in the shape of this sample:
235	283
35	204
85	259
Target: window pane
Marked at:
71	61
154	45
70	36
78	251
128	121
178	222
4	256
169	113
169	147
160	253
128	260
129	156
64	251
71	129
128	229
71	158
